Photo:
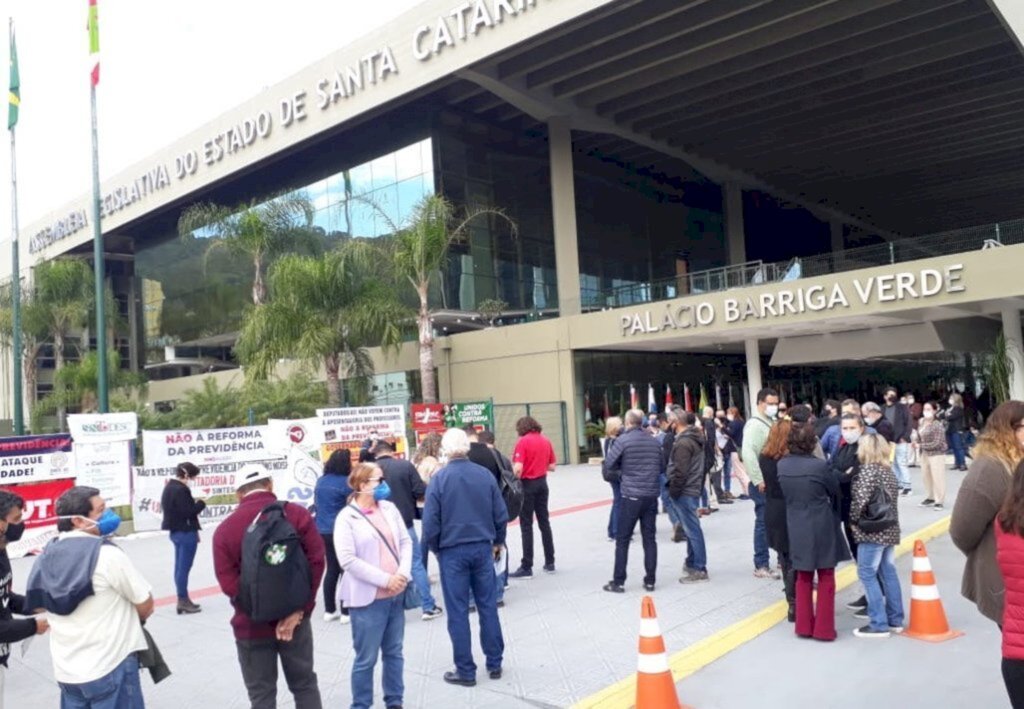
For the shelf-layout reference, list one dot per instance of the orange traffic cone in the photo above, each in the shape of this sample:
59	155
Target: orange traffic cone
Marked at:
927	616
655	688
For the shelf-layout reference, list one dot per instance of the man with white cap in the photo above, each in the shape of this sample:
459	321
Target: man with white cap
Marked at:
289	637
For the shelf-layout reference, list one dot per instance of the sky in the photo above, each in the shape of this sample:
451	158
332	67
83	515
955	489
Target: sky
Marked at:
166	69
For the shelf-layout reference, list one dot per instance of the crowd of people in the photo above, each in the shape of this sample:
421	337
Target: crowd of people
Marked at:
823	489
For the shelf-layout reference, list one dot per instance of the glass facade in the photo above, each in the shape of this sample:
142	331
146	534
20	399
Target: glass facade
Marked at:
195	296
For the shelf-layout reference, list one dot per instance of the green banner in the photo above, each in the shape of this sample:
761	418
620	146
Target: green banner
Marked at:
479	414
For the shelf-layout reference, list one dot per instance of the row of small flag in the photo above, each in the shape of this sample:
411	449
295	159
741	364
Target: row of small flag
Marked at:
669	399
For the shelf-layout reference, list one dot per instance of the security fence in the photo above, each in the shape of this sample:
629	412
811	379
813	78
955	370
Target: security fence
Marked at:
549	414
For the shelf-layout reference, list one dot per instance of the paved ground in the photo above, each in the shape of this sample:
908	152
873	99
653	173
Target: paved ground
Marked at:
567	639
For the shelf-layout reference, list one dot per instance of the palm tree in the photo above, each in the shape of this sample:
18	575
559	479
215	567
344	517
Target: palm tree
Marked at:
77	384
419	251
260	231
323	311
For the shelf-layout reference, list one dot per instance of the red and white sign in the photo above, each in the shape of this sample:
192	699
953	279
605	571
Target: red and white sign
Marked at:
40	514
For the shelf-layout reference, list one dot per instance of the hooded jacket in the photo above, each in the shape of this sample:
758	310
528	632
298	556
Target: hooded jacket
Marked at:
686	467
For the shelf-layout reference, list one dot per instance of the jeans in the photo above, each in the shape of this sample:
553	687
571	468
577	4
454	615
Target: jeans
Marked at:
901	465
613	516
761	557
817	622
419	573
874	561
500	579
258	660
185	544
469	569
666	502
644	510
378	629
121	688
1013	678
696	551
956	444
535	500
727	473
332	575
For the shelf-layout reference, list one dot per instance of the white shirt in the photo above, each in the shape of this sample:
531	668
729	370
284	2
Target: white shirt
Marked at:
105	628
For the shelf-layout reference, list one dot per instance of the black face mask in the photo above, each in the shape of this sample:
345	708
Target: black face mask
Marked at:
14	531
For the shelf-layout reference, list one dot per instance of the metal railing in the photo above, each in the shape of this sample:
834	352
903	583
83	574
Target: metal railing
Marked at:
756	273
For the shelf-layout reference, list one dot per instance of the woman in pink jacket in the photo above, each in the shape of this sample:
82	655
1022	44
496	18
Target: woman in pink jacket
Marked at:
375	551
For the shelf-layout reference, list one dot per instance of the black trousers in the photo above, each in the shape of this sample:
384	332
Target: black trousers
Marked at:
332	575
1013	676
633	510
535	502
258	660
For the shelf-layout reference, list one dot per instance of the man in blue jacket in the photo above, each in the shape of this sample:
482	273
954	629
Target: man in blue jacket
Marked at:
464	521
638	457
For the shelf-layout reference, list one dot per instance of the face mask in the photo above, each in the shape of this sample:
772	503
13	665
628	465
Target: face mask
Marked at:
382	491
928	414
108	523
731	418
851	437
772	410
952	403
14	531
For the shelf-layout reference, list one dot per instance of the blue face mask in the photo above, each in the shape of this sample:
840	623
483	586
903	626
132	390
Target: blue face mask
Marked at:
382	491
108	523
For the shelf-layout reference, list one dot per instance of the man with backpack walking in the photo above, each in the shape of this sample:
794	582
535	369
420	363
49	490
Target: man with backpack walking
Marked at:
269	558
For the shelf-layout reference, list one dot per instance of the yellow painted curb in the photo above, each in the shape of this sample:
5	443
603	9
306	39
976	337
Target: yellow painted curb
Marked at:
702	653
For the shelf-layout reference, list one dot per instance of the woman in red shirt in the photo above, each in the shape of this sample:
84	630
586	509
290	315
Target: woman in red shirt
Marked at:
1009	529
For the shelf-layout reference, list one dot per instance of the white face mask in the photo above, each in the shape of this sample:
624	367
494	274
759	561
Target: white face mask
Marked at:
851	437
771	410
928	414
730	418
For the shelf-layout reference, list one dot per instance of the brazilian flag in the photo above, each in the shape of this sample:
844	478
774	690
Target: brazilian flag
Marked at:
14	94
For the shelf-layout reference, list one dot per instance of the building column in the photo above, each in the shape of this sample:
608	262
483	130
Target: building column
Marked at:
1014	350
563	214
753	372
735	234
836	232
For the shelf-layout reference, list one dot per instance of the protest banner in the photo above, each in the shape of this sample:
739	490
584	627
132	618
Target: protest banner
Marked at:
426	419
39	514
98	428
25	459
162	449
106	466
349	428
478	414
284	434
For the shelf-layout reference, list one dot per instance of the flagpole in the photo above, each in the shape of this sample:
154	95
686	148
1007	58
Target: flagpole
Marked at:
99	266
19	416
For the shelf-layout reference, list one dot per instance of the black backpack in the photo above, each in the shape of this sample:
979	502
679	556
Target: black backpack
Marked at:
511	489
275	579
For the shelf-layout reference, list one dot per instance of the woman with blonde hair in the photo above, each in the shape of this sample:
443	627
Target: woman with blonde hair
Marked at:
612	429
876	540
999	451
428	456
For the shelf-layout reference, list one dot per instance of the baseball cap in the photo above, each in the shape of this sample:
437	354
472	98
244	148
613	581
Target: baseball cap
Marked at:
251	473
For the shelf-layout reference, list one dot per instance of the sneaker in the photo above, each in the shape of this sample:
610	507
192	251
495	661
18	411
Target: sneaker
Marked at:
743	497
725	501
694	577
521	573
776	574
896	629
328	617
550	568
649	587
926	502
905	492
345	619
435	612
763	573
862	614
938	507
859	604
613	587
678	535
868	632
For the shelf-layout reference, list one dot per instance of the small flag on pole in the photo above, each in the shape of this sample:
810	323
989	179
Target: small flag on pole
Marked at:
687	399
94	41
703	399
668	396
14	92
586	406
607	407
718	396
634	399
652	405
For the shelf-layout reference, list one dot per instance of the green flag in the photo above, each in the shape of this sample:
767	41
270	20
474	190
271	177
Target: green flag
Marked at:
14	94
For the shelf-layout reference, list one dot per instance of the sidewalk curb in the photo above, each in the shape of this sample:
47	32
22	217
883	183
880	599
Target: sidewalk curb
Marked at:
702	653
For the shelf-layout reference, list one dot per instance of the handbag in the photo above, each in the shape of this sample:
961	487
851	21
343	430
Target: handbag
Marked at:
411	598
879	512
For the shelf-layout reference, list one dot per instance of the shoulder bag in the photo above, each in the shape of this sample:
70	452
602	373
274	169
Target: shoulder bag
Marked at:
412	596
879	512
